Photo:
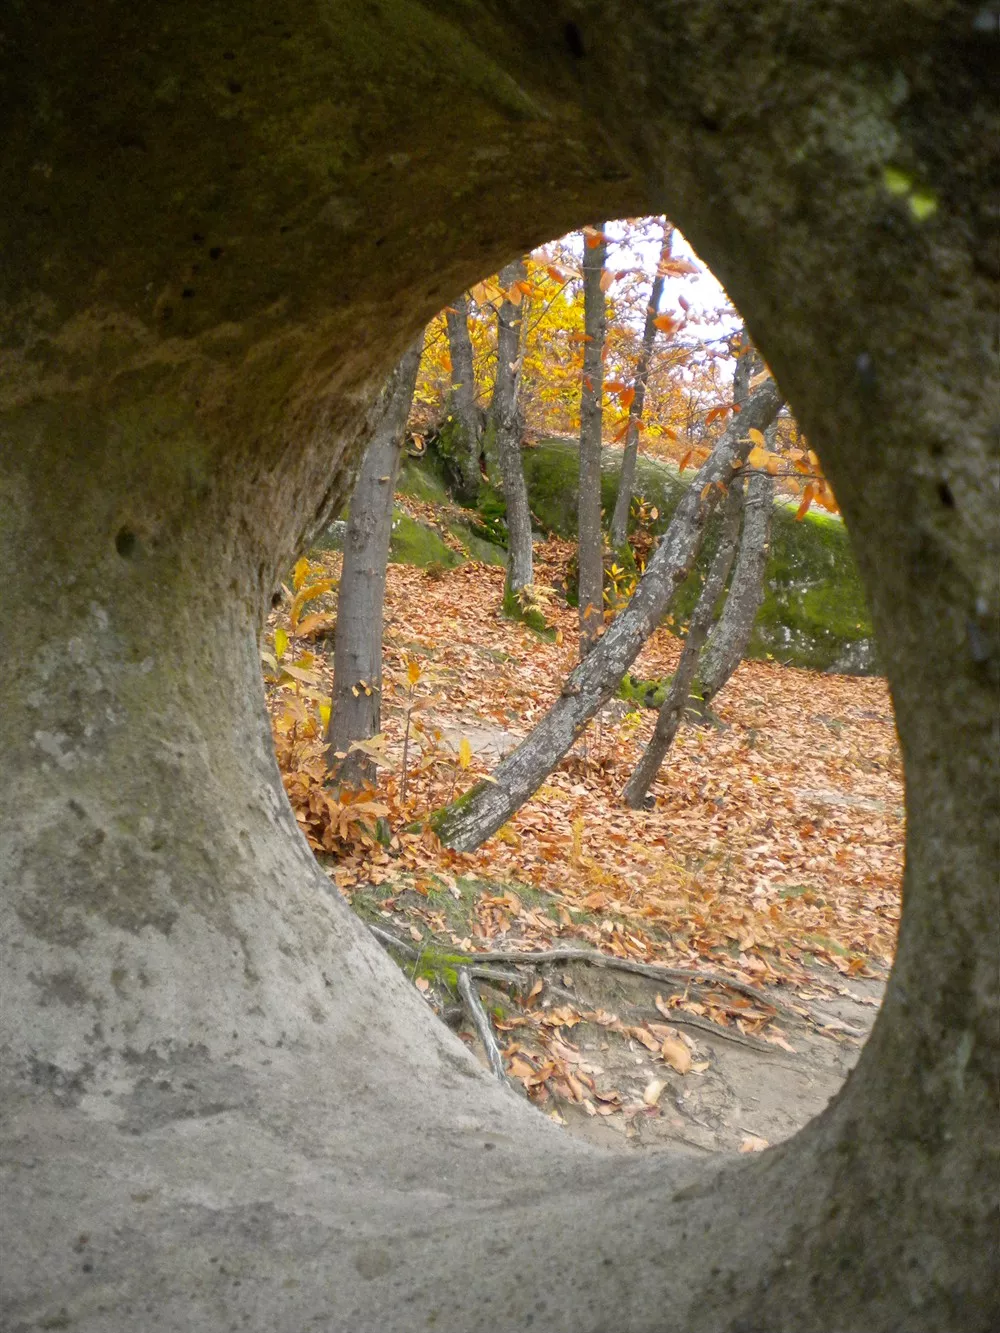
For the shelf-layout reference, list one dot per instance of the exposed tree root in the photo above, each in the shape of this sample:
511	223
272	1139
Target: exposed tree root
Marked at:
480	1021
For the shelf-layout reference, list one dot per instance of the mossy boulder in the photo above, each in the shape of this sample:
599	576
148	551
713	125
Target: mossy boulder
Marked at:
814	612
416	543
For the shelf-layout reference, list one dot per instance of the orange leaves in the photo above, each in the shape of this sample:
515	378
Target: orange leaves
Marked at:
606	279
666	323
592	237
807	500
517	291
677	268
716	413
626	398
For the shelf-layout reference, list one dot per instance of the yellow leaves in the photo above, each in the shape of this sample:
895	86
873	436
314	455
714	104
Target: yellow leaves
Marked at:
413	671
300	573
312	625
758	457
757	437
464	753
763	459
280	643
305	594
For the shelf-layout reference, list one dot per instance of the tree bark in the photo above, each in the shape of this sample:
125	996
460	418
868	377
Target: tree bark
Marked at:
724	651
729	638
223	1107
507	428
356	707
590	536
674	705
468	822
626	481
464	423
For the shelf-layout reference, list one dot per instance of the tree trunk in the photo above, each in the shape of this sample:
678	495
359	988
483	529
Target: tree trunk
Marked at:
464	428
356	707
468	822
223	1107
626	481
674	705
591	540
728	640
506	430
724	651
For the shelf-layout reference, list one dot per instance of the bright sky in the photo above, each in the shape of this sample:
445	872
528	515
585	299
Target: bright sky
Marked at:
709	303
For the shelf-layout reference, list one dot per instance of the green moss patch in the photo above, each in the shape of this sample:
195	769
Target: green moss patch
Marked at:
814	612
416	543
647	693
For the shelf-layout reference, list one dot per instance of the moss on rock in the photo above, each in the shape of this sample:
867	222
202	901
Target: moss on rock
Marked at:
416	543
814	612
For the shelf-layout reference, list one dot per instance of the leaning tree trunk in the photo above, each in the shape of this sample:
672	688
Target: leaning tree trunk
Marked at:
223	1107
591	541
468	822
674	705
463	427
505	427
356	707
626	481
724	651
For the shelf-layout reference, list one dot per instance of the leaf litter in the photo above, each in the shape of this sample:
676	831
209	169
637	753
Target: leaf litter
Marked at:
772	855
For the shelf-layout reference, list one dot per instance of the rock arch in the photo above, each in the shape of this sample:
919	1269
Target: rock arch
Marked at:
219	231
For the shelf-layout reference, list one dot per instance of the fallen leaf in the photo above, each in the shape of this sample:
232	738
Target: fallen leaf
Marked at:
653	1091
753	1143
676	1054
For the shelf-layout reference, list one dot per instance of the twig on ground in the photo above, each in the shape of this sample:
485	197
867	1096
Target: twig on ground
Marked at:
481	1022
681	1019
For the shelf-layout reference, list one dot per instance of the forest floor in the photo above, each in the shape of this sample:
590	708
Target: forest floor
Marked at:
768	868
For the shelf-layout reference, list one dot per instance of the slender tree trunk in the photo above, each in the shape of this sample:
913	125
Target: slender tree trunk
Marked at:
356	708
623	501
724	650
728	641
464	425
674	705
468	822
591	542
505	428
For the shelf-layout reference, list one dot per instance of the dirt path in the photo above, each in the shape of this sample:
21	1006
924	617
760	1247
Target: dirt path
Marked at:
734	1097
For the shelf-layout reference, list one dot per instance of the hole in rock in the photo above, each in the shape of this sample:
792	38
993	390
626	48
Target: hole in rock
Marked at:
125	543
760	863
